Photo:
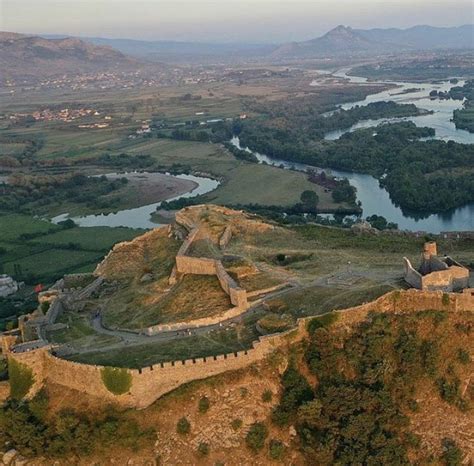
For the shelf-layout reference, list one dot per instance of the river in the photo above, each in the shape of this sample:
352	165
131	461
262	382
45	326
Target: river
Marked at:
140	217
442	109
376	200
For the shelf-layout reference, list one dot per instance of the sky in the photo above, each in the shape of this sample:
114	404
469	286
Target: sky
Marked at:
250	21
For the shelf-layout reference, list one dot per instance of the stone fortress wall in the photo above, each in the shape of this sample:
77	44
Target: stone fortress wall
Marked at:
150	383
186	264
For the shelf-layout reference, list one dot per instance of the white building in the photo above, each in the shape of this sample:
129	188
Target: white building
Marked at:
8	286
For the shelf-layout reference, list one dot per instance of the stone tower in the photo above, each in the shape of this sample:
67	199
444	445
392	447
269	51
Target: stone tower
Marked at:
429	250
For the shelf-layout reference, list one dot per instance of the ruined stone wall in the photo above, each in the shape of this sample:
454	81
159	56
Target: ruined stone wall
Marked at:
226	237
412	276
195	265
237	295
453	279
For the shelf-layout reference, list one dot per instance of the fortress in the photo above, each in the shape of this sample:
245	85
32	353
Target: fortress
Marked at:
32	351
150	383
436	273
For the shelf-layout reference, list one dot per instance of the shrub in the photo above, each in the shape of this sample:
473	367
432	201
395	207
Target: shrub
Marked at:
452	455
183	426
463	356
236	424
204	404
273	323
267	396
45	305
324	321
117	380
203	448
296	391
21	379
276	449
445	299
3	370
39	405
256	436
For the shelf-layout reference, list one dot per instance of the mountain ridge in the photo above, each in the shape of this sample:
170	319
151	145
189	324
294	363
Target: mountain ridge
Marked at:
28	57
344	40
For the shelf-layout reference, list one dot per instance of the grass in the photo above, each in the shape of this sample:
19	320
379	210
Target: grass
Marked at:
54	261
12	225
319	300
193	297
266	185
91	238
217	342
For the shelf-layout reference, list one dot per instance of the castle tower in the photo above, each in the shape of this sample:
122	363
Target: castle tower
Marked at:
429	249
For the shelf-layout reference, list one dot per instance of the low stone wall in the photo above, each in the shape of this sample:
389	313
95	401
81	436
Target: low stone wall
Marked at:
226	237
196	323
151	382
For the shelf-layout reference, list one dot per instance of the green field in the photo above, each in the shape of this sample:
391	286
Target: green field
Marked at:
45	252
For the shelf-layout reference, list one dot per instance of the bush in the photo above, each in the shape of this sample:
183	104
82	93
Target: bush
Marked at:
25	427
204	404
445	299
324	321
236	424
452	455
21	379
267	396
203	449
3	370
463	356
256	436
117	380
296	391
276	449
45	305
183	426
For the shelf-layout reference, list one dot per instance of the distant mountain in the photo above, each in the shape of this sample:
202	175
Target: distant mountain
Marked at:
176	51
344	41
30	57
424	37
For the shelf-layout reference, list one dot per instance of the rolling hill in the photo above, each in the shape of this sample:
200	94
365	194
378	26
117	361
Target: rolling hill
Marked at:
28	58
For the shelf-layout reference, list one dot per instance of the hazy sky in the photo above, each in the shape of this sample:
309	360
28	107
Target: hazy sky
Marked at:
223	20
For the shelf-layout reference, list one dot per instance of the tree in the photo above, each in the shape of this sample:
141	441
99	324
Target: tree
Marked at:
309	200
256	436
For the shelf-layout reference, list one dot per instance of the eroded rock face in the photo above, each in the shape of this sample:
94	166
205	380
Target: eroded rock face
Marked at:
9	457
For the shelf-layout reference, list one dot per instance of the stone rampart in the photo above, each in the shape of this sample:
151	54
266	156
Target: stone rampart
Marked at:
151	382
